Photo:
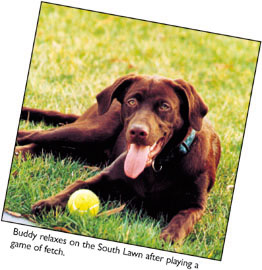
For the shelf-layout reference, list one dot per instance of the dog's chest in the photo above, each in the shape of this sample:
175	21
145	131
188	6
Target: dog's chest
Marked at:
150	184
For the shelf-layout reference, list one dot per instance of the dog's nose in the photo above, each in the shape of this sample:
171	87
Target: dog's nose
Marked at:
138	132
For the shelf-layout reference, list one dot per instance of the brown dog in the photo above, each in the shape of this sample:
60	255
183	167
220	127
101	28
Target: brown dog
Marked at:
163	153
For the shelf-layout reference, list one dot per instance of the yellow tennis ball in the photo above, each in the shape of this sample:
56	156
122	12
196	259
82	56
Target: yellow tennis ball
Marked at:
83	201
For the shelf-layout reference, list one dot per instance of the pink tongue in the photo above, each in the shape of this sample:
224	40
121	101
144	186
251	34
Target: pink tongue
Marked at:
135	161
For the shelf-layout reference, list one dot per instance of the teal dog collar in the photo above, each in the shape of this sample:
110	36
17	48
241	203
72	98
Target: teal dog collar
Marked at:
181	149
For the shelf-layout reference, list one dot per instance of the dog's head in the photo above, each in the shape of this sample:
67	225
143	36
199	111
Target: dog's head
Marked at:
154	111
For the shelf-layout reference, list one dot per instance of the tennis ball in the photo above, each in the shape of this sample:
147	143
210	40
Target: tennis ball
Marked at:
82	202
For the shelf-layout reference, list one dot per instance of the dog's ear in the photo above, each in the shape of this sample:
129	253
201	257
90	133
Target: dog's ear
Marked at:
116	90
197	109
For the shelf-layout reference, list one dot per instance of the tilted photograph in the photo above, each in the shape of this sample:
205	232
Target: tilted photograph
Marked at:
131	131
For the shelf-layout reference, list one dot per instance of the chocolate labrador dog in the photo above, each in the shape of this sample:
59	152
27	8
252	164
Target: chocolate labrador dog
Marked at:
163	153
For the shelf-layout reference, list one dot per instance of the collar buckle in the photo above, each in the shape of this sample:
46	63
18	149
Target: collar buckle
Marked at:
154	167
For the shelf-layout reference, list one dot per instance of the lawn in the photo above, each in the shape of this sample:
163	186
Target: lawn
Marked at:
78	53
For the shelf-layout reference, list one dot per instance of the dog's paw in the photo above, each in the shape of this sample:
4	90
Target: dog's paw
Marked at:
166	236
44	206
25	150
172	234
20	152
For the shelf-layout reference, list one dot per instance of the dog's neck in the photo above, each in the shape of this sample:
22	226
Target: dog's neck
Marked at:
174	152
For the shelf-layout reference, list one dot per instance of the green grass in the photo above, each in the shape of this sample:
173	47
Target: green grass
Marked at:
77	54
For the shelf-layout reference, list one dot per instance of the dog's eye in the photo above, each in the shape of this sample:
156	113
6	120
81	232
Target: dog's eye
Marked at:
131	102
164	107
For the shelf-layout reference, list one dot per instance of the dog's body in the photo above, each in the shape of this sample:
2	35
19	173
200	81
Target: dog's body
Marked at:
163	153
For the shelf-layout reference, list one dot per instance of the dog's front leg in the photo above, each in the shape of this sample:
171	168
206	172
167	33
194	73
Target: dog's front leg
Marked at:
110	173
183	222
